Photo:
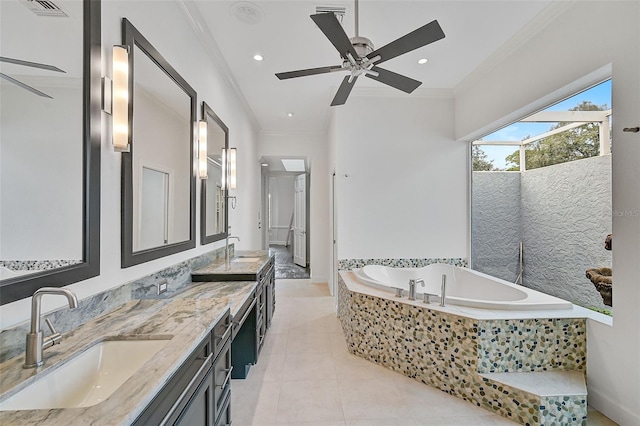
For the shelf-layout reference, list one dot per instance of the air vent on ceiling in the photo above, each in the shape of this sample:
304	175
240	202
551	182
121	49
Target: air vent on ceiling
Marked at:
339	11
44	8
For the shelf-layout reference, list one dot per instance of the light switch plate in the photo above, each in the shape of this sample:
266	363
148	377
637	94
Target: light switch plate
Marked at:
161	287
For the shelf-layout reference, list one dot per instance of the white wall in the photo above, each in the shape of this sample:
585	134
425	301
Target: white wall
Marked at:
182	48
281	189
586	37
41	172
401	178
314	147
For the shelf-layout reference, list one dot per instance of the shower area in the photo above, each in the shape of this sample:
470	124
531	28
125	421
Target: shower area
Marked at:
544	228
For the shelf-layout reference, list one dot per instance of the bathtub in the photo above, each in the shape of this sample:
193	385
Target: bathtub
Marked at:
465	287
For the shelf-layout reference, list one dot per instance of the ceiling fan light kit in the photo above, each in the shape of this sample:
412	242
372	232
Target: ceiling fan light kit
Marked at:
360	58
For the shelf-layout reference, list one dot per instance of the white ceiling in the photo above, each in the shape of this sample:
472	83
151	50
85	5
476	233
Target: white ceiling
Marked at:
289	40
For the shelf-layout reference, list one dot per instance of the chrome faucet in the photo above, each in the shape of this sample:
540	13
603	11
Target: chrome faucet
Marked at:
412	287
443	290
226	248
36	342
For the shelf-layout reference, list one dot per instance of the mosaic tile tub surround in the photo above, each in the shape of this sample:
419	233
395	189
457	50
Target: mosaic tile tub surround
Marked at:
452	352
348	264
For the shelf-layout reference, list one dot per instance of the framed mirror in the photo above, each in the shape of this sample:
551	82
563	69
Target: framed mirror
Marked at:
213	203
50	151
158	175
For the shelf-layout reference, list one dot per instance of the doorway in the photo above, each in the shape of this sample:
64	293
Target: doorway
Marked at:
285	204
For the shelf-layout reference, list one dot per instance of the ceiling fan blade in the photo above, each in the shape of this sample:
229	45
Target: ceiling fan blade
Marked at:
421	37
343	91
310	71
330	26
25	86
393	79
30	64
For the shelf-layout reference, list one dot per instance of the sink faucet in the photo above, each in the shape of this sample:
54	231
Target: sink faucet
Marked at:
412	287
226	249
36	342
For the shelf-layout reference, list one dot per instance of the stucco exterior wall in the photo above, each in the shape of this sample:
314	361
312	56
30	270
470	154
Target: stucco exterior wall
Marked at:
566	215
495	224
561	213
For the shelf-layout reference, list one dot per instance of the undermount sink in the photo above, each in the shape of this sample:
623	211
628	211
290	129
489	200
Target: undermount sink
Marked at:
246	259
88	378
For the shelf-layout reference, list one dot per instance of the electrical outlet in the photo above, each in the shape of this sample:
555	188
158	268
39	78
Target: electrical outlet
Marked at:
161	287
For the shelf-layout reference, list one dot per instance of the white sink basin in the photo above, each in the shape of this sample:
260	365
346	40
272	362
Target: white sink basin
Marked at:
246	259
88	378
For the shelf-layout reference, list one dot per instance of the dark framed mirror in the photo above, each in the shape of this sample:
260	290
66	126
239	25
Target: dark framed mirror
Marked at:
50	151
158	175
214	211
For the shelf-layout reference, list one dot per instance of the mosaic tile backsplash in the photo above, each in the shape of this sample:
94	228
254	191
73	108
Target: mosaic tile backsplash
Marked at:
347	264
450	352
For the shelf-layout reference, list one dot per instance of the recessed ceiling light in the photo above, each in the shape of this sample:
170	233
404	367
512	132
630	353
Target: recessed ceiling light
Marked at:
423	61
265	164
258	57
289	114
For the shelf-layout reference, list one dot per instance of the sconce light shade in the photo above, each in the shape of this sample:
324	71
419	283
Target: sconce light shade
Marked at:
202	149
229	168
232	168
120	115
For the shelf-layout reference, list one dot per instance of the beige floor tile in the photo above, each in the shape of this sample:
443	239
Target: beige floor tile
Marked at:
254	403
308	401
350	367
380	422
336	423
325	323
308	343
450	421
371	399
495	420
308	366
275	343
270	368
595	418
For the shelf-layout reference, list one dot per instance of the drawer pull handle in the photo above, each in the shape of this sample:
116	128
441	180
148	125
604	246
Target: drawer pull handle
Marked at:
227	378
246	314
193	383
225	335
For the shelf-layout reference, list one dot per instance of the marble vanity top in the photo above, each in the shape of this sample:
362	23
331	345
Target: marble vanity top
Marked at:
239	268
188	316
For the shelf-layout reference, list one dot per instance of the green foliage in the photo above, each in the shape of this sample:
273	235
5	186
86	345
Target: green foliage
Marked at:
574	144
480	162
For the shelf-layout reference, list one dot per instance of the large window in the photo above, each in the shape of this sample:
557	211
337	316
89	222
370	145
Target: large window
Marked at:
541	200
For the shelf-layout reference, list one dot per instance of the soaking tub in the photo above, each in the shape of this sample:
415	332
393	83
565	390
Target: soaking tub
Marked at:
464	287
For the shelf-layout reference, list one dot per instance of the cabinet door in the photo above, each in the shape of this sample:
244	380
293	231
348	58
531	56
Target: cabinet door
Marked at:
222	377
199	411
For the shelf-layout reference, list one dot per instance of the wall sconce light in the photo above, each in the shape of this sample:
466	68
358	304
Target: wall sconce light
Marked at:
120	98
229	180
202	149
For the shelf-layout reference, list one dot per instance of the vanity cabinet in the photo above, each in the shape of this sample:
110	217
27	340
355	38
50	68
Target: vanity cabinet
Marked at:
200	391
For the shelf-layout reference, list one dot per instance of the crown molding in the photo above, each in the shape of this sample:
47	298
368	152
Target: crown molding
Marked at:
515	43
199	26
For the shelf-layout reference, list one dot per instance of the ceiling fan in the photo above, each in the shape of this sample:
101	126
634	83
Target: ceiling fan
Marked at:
359	56
31	65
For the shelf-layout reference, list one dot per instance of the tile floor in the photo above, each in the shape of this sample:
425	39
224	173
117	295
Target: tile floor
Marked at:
285	268
306	377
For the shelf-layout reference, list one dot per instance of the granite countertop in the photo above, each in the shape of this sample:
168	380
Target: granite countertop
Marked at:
187	318
239	268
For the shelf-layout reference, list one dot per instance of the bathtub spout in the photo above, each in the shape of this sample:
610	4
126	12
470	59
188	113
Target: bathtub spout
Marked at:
443	290
412	287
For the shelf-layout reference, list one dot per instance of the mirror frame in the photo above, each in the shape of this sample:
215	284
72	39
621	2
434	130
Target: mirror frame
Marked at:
207	113
132	37
17	288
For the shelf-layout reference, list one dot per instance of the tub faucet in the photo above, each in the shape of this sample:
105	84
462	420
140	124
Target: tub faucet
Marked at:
443	290
412	287
36	342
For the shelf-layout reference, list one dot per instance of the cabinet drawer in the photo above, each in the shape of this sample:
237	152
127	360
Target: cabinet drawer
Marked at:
222	376
224	418
221	332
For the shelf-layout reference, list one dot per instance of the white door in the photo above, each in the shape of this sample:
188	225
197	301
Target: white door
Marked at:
154	220
300	221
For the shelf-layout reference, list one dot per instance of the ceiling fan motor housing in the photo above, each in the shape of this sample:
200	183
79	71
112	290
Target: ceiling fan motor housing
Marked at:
362	45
